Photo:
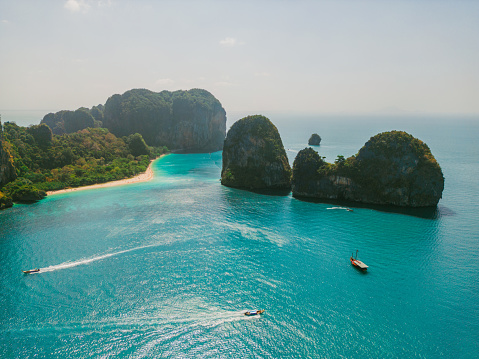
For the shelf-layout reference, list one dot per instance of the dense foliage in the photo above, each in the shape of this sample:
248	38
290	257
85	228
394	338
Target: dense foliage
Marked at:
49	162
23	190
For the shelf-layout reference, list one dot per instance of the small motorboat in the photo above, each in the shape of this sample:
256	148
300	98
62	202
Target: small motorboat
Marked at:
254	312
31	271
357	263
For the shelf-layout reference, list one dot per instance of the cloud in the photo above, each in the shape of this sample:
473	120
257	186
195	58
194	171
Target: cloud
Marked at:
79	61
77	6
4	21
228	42
223	84
104	3
164	82
262	74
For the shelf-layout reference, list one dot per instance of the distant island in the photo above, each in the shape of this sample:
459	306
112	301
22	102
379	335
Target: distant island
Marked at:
314	140
105	142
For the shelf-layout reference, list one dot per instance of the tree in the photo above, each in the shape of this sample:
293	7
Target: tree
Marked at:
137	145
340	160
42	134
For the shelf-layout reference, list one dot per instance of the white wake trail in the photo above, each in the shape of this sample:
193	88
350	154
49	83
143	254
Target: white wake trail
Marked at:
66	265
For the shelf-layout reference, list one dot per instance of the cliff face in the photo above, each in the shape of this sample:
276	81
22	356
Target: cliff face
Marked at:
392	168
7	169
254	156
191	120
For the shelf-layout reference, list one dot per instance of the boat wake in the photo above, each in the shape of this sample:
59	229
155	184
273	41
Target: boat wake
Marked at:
66	265
191	320
345	208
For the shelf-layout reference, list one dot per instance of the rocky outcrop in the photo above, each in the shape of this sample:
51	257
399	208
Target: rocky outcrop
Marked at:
254	157
63	122
23	190
5	201
192	121
392	168
314	140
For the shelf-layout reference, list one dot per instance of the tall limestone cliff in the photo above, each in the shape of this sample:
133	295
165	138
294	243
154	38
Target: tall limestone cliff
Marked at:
392	168
7	169
192	121
254	156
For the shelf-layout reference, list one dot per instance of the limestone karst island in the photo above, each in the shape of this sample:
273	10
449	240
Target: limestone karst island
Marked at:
254	156
392	168
314	140
119	139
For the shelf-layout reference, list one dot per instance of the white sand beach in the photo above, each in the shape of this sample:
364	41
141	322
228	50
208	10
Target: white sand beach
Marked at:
142	177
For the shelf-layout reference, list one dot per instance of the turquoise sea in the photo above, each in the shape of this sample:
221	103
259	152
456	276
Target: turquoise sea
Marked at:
166	268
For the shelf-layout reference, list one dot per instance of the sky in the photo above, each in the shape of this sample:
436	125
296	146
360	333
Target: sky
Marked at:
324	57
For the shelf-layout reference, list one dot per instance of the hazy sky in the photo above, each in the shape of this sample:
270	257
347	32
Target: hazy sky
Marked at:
300	56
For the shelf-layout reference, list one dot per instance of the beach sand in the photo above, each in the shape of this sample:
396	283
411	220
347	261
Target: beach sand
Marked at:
142	177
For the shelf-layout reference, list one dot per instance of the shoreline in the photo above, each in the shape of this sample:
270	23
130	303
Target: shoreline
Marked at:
142	177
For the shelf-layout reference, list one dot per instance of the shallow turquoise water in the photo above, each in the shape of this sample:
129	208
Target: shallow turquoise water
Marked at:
167	268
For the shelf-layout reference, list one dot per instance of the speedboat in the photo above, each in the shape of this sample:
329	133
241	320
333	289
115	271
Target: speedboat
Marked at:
31	271
254	312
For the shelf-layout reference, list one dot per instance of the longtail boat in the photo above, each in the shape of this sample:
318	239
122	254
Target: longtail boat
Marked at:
254	312
31	271
357	263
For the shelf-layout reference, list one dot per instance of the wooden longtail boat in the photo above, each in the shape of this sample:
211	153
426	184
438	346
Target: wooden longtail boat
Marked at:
357	263
31	271
254	312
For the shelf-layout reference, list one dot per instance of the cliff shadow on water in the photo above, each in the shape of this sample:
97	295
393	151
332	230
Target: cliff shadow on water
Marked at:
433	212
270	192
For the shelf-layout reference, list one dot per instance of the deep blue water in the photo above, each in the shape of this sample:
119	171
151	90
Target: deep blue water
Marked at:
167	268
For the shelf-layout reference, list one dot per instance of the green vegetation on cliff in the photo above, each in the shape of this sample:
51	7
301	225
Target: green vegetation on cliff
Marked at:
391	168
254	156
190	120
50	162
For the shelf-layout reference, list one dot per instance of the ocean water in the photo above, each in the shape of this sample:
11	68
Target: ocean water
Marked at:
166	268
